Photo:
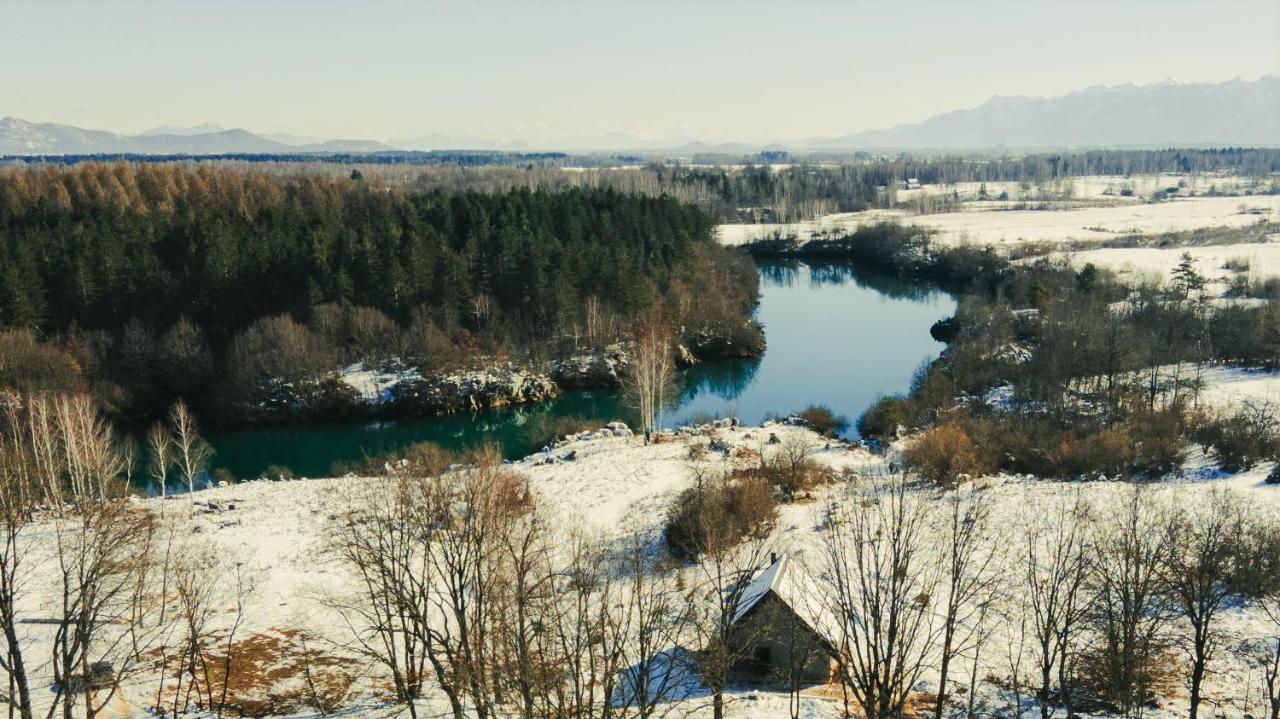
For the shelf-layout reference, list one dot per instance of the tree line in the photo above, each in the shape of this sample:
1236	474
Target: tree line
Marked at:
143	276
808	189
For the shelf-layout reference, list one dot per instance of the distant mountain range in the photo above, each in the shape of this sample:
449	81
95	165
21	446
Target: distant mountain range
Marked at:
1236	112
20	137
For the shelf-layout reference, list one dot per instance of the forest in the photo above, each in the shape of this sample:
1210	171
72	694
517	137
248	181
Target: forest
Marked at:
142	276
790	187
818	185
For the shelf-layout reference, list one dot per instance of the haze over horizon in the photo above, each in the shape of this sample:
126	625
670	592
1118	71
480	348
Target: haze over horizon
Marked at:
565	72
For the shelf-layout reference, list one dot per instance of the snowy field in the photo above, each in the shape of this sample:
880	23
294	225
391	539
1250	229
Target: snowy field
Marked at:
1010	227
611	486
1217	263
1112	189
1229	387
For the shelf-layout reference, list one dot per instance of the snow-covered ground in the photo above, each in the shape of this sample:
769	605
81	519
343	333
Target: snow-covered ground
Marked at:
1113	189
1228	387
373	384
988	226
613	485
1217	263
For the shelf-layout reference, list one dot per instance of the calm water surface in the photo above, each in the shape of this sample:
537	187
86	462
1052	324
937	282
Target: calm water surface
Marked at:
837	336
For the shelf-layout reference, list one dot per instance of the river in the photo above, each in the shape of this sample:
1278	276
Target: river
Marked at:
837	335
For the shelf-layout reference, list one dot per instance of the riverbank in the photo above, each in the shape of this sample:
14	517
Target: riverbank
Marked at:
820	319
395	389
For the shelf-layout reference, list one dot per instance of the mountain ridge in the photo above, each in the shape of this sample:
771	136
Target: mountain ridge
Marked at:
23	137
1167	113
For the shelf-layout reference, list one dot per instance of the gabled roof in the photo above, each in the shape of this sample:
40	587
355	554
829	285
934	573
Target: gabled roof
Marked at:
791	587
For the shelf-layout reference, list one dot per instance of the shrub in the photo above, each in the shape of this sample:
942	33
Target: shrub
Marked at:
1242	438
30	366
790	469
1097	689
1159	447
1108	452
823	420
881	420
719	516
276	471
1256	559
548	429
1236	264
942	454
424	459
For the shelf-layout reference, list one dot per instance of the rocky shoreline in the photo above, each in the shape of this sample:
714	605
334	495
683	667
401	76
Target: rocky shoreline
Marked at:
393	389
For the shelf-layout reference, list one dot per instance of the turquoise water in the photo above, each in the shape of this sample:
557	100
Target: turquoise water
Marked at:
837	336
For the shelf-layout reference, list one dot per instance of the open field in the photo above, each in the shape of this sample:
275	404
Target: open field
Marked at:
1217	263
1013	227
1102	189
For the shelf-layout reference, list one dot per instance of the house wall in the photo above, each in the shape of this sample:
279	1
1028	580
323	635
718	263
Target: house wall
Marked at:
772	640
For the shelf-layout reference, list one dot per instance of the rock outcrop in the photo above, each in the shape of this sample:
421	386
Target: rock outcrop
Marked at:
594	370
473	391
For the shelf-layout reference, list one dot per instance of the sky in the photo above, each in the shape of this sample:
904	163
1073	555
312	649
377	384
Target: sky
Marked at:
564	72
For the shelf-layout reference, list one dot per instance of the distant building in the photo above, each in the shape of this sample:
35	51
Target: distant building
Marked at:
911	183
782	632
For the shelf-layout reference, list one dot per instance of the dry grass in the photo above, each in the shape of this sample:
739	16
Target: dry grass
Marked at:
273	673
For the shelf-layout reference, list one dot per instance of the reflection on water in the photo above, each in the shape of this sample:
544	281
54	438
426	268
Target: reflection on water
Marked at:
726	379
837	335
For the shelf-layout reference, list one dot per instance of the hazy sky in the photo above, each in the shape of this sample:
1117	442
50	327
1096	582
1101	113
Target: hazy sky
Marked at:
549	71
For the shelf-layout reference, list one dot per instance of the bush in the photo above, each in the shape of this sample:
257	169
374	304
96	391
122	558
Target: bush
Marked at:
790	469
881	420
1159	447
1108	452
29	366
1256	560
719	516
823	420
942	454
1242	438
1097	690
276	471
548	429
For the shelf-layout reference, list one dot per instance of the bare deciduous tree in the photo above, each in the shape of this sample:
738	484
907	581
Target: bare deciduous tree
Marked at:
192	453
18	487
1056	551
648	382
968	552
160	447
1198	564
1129	609
882	590
100	541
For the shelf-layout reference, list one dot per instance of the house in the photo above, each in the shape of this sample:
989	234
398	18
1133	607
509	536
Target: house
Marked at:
911	183
781	631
